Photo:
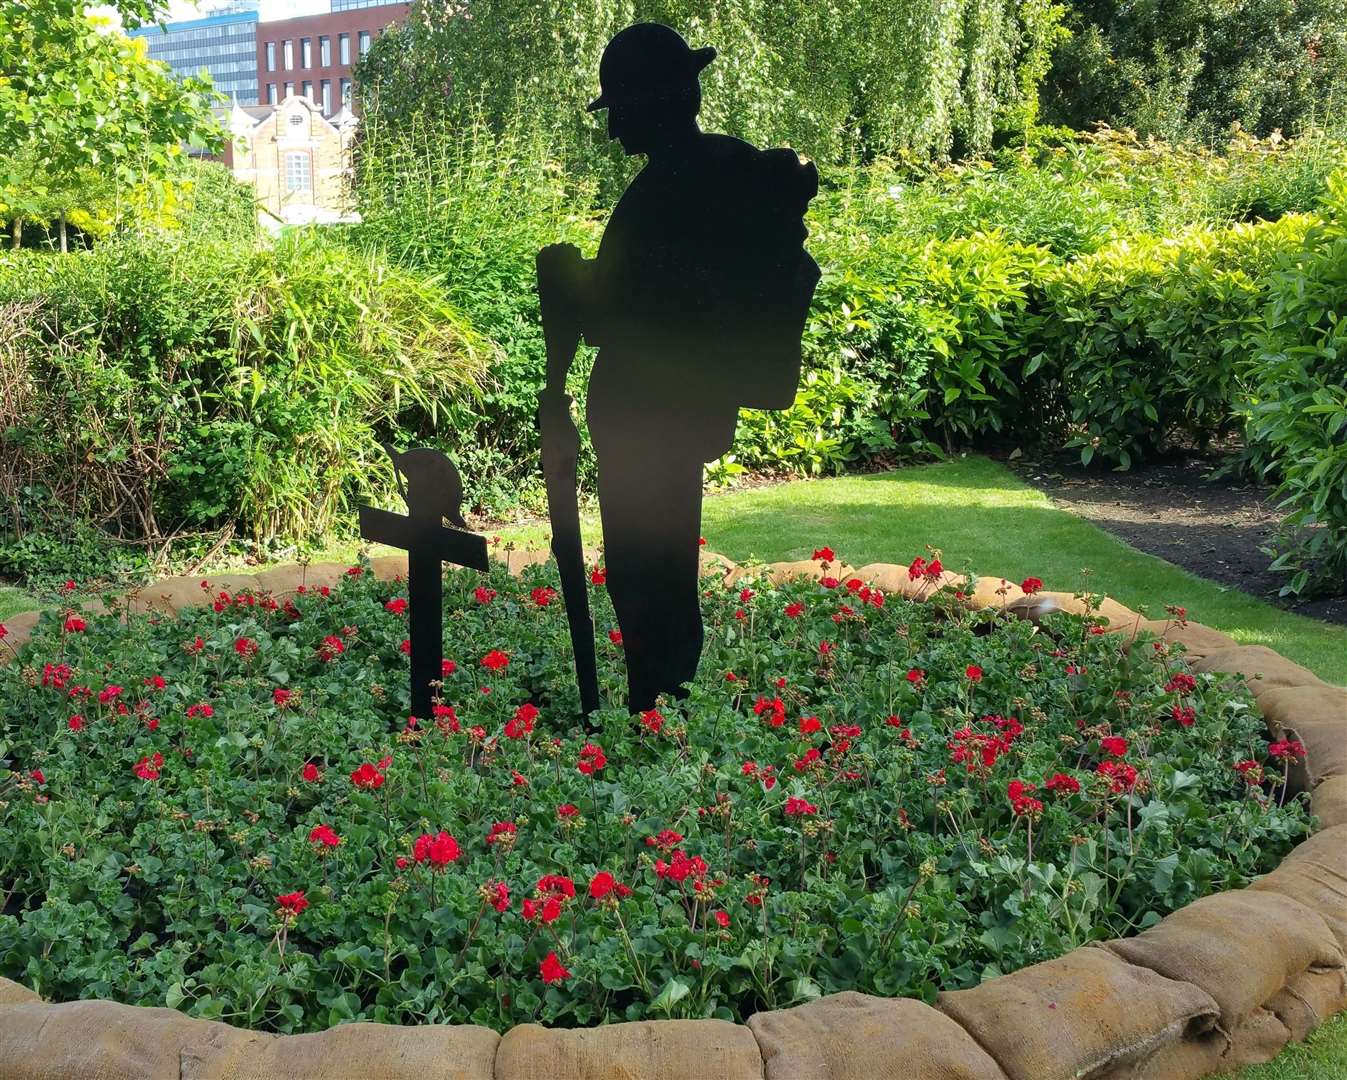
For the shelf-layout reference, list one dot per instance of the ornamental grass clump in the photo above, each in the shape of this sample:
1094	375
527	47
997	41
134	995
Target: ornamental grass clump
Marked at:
232	812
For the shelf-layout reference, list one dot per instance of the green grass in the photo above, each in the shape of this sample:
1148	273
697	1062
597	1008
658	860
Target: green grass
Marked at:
1323	1056
13	601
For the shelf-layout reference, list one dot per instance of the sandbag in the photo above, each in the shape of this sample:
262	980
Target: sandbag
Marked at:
389	567
1328	802
12	993
779	573
714	565
318	574
1086	1013
1241	947
1317	717
1260	667
364	1050
19	631
991	592
1315	873
897	581
851	1036
1197	640
1039	605
643	1050
281	581
101	1040
170	595
1308	1000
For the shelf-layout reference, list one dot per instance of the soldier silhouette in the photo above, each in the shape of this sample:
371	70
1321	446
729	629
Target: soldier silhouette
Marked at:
696	301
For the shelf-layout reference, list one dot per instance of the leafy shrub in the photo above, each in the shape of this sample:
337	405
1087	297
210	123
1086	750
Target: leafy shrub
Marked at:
164	386
1297	405
230	813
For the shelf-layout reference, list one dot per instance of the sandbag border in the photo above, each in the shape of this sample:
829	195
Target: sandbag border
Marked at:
1137	1009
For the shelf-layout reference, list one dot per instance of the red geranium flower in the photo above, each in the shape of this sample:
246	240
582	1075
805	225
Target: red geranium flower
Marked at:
201	708
397	606
601	884
1184	715
615	636
1291	750
543	595
521	723
1031	585
810	724
310	773
592	759
916	676
722	919
368	777
75	625
795	610
497	894
438	850
323	836
1063	784
1114	745
1182	683
245	647
496	660
599	576
974	673
75	723
824	554
652	721
292	904
796	806
567	810
551	969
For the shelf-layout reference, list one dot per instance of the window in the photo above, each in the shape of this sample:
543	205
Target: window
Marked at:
305	53
344	47
271	93
271	56
346	91
327	96
296	172
289	89
364	42
288	48
324	52
308	90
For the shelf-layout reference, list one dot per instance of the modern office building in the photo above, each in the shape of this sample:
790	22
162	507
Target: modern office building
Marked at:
312	56
223	44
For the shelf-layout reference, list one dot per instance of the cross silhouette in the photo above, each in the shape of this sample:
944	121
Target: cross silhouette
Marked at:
433	492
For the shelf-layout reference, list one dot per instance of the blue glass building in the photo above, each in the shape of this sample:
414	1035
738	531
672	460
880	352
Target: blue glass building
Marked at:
224	45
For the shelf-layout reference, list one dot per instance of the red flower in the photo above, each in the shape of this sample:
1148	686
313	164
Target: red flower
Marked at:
282	697
37	776
592	759
148	769
498	895
795	610
292	904
543	595
496	660
601	884
652	721
1290	750
810	756
201	708
934	569
109	694
4	632
599	576
245	647
810	724
311	774
447	667
368	777
331	648
1022	804
824	554
552	970
796	807
917	569
1114	745
156	682
397	606
1122	776
324	837
406	646
1031	585
1181	682
615	636
1184	715
439	850
567	810
75	723
722	919
75	625
772	710
522	722
665	839
974	673
502	830
483	594
1251	771
916	676
1063	784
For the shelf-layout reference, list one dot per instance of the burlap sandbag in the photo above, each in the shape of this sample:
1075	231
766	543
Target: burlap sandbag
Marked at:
517	560
1315	873
12	993
1086	1014
1241	947
233	584
992	592
1308	1000
714	565
779	573
1259	666
1328	802
643	1050
1197	640
169	595
318	574
367	1051
852	1036
389	567
1317	717
19	630
281	580
101	1040
897	581
1041	604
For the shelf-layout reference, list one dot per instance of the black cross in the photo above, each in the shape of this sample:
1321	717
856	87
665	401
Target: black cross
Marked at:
432	493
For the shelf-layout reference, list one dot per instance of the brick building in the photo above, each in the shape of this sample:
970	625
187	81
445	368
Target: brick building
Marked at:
312	56
294	157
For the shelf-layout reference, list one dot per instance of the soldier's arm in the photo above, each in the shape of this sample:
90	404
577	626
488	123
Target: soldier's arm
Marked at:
563	292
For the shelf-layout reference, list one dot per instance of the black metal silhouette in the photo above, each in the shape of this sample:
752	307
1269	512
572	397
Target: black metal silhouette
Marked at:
697	302
433	493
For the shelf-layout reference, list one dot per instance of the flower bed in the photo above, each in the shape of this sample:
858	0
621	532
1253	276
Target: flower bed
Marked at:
228	812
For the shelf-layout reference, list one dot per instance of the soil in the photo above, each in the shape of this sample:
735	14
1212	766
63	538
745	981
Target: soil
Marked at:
1213	528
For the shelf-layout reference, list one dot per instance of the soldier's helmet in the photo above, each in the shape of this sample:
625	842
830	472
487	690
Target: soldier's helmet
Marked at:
647	62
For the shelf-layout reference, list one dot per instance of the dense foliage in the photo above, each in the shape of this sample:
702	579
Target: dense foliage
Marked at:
1187	69
155	387
231	813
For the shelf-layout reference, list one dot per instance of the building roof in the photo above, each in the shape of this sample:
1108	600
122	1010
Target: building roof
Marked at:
193	24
